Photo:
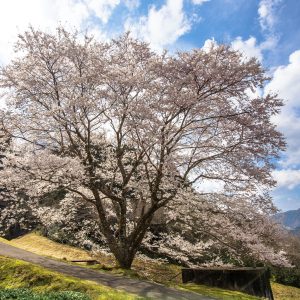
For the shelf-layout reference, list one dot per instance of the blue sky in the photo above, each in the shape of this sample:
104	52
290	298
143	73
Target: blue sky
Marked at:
266	29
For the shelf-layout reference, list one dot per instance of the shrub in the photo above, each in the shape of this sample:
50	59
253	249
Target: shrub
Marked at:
26	294
287	276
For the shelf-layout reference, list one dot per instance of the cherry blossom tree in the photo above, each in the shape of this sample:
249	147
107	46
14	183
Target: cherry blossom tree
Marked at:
129	131
222	230
16	215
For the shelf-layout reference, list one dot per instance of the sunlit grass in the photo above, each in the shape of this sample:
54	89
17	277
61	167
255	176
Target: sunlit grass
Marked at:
18	274
3	240
284	292
38	244
216	292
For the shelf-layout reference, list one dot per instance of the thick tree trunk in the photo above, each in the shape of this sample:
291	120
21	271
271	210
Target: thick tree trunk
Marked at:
124	257
126	250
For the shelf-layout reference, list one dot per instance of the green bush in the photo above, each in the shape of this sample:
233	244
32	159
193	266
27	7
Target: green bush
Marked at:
287	276
26	294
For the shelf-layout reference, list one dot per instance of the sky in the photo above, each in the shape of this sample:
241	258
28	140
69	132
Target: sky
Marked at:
266	29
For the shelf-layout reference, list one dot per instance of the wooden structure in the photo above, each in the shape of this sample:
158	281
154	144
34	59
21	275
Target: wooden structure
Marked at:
87	261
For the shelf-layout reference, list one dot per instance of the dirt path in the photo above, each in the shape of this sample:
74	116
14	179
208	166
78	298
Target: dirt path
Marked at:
142	288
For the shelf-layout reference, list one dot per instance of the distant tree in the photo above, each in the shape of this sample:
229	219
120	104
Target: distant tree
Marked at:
132	132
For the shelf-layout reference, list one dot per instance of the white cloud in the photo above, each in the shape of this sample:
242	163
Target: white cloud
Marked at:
161	27
199	2
208	44
266	12
249	48
287	178
17	15
286	82
102	8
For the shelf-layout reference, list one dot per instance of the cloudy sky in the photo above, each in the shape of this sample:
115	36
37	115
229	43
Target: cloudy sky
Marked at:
266	29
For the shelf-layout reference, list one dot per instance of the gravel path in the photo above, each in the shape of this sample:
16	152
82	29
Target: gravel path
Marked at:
143	288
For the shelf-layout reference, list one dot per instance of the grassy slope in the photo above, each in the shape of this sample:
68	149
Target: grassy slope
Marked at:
283	292
217	293
19	274
160	272
33	242
38	244
3	240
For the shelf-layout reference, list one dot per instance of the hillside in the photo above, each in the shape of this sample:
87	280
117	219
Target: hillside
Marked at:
18	278
290	219
296	231
150	270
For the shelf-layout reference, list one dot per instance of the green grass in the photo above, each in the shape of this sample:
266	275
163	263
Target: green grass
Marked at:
3	240
15	274
38	244
284	292
216	292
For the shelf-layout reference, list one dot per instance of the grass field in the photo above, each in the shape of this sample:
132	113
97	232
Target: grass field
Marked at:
15	274
152	270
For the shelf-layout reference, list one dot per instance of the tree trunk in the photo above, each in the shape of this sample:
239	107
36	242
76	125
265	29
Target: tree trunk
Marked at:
124	257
